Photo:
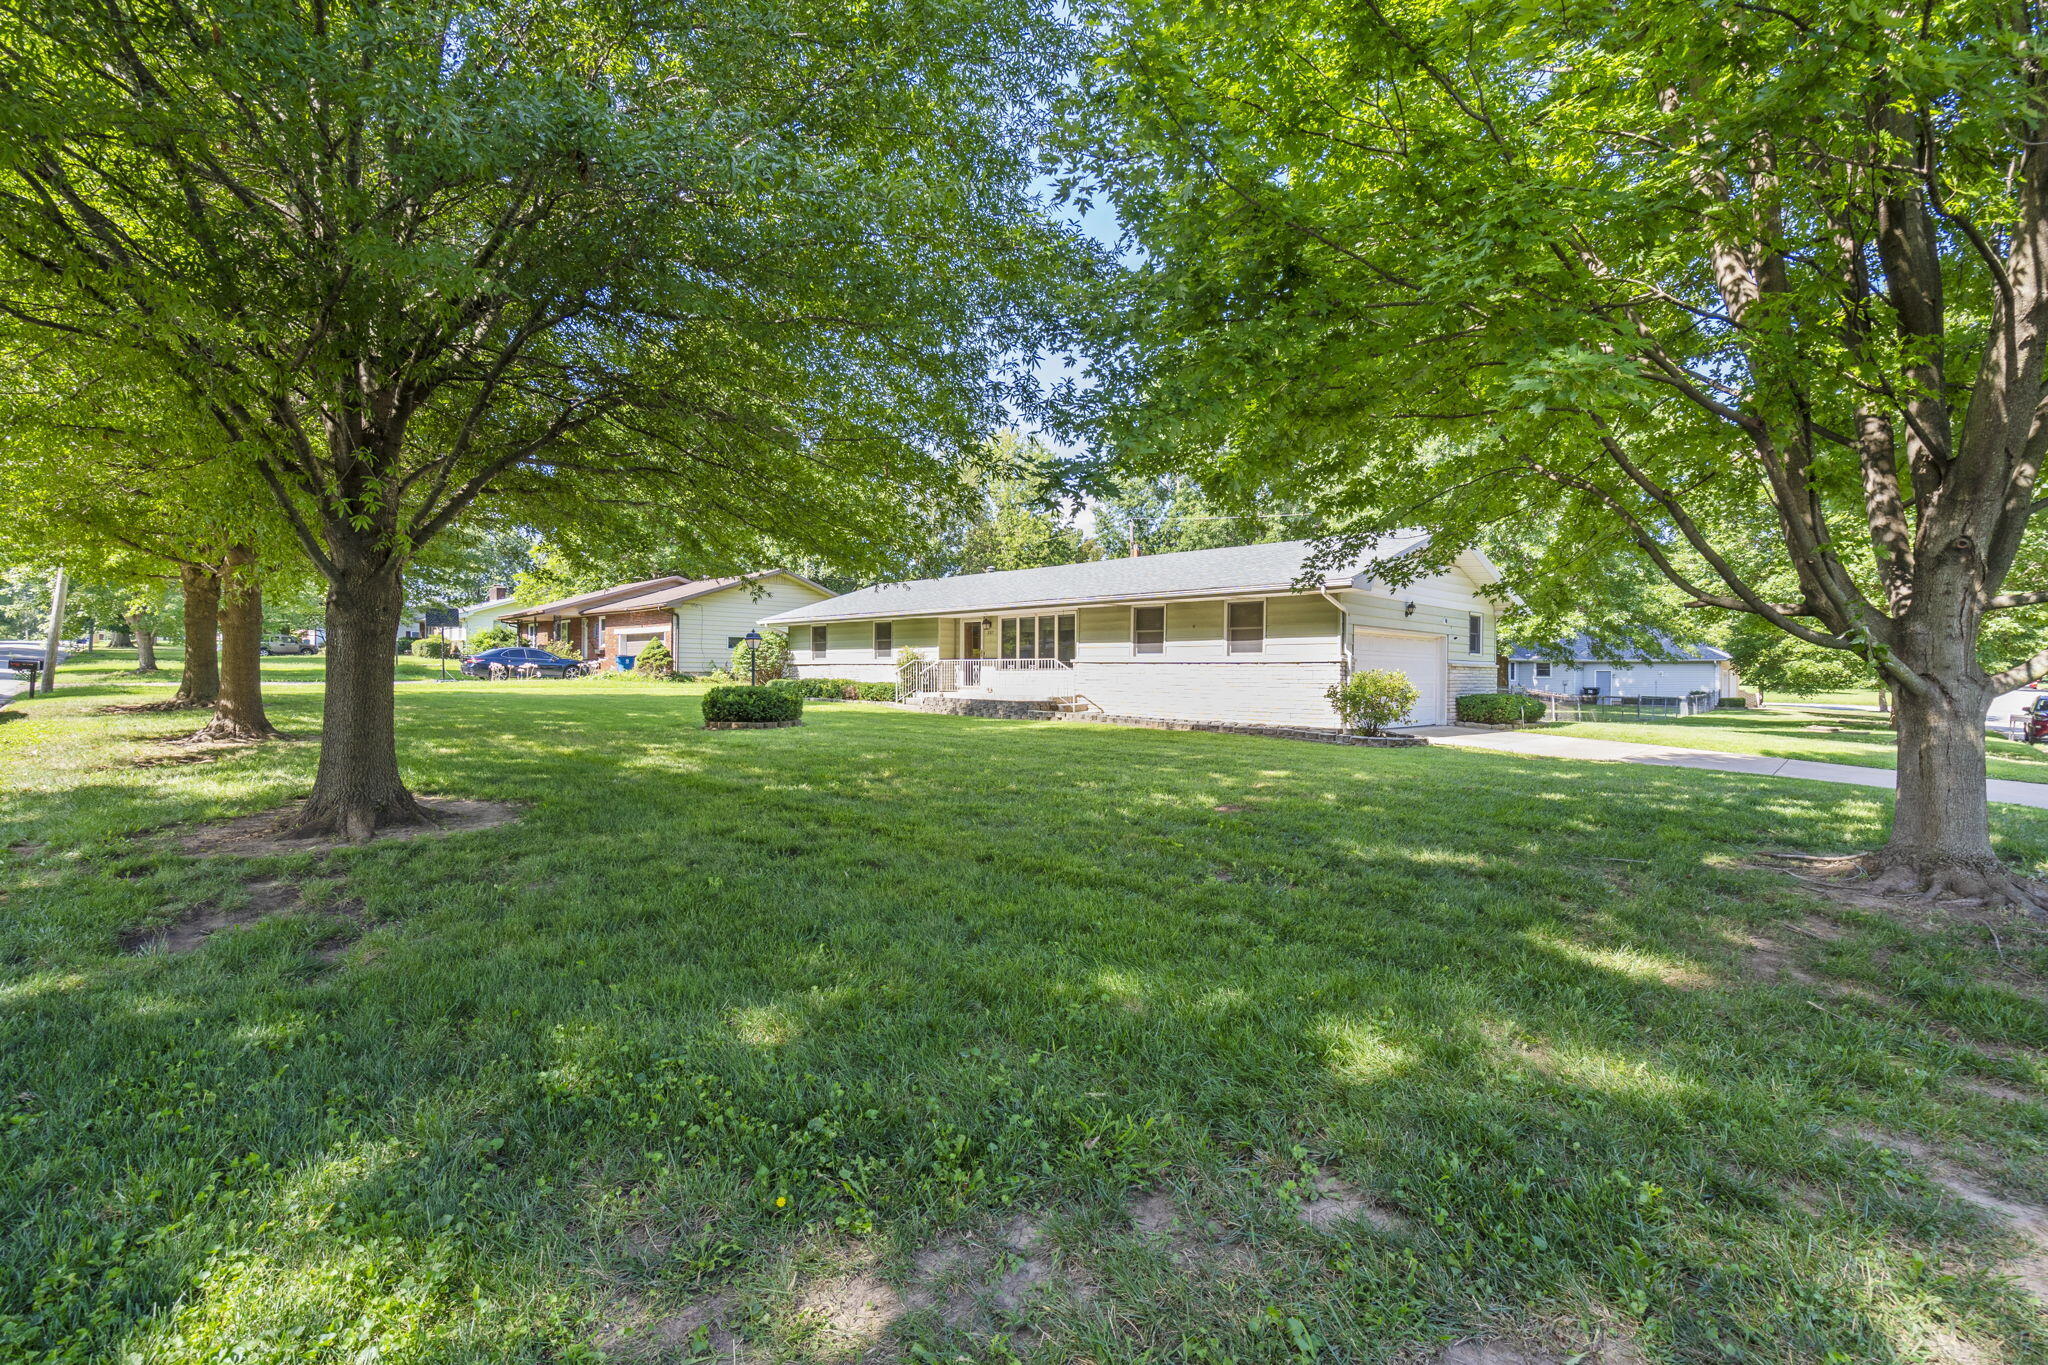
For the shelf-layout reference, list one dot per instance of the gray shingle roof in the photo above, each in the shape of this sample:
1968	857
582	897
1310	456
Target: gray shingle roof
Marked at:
1580	649
1273	568
668	597
571	606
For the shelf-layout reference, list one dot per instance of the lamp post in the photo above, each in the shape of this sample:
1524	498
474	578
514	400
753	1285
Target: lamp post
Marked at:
753	639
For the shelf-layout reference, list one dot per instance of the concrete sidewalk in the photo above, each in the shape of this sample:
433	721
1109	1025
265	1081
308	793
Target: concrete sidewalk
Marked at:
1536	744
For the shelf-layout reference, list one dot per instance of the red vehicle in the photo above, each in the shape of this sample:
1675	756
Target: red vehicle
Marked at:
2034	721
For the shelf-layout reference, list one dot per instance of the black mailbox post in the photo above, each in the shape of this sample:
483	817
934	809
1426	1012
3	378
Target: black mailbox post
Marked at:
32	667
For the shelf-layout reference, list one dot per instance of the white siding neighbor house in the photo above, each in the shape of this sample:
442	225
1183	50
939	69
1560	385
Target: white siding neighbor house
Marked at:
1666	670
479	617
1227	635
699	620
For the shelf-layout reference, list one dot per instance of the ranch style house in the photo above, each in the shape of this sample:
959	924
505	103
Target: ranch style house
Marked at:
1249	634
698	619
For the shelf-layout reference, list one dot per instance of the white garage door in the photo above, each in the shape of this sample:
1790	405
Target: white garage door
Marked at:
1421	657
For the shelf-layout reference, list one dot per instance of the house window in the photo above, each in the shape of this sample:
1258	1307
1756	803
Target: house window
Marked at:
817	642
1148	630
885	638
1245	627
1039	637
1474	633
1543	669
733	641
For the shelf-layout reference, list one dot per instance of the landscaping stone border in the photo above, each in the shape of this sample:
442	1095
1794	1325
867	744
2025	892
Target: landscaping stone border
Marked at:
994	709
750	724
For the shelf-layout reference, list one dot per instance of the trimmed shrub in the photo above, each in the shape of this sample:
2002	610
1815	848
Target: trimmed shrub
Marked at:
654	660
405	646
1499	708
1372	699
874	691
815	689
774	656
1738	702
562	649
493	637
433	647
751	703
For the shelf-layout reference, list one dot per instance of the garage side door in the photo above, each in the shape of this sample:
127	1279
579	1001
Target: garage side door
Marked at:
1420	657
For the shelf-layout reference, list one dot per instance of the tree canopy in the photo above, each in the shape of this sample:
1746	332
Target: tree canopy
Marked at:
1755	294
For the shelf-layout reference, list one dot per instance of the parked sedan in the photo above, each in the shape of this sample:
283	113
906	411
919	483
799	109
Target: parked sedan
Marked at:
515	657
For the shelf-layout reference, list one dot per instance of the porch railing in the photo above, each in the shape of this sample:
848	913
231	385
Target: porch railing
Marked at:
950	675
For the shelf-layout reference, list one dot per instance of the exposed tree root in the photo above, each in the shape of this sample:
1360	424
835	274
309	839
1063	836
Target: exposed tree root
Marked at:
138	707
357	822
1953	881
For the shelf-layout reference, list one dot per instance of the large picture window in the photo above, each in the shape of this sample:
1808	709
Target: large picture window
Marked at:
1039	637
1245	625
885	639
1148	630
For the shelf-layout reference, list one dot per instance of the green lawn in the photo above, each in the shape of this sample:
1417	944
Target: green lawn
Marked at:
117	666
1866	697
905	1037
1820	736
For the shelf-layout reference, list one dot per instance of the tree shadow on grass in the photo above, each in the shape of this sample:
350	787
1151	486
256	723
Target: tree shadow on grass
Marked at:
881	976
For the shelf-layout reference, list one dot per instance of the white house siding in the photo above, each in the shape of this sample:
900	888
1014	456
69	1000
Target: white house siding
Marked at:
1265	693
703	625
850	649
1668	679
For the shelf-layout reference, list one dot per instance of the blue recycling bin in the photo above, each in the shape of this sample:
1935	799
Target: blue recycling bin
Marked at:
626	662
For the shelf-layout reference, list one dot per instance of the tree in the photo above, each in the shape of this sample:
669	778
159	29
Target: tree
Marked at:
750	271
1005	516
1170	513
1759	296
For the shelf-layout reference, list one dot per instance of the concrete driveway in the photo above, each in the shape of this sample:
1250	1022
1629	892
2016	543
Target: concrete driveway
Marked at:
1537	744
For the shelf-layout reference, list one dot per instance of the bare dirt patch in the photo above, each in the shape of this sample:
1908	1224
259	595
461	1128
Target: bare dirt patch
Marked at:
24	850
257	836
1607	1349
640	1333
266	898
851	1312
179	750
2028	1222
133	708
1993	1090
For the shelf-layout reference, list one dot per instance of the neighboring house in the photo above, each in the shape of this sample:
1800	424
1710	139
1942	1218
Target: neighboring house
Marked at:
479	617
699	619
1211	635
1666	670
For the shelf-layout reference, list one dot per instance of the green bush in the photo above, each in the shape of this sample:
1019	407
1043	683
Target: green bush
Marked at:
816	689
1738	702
751	703
1499	708
1372	699
433	647
493	637
405	646
874	691
562	649
774	656
654	660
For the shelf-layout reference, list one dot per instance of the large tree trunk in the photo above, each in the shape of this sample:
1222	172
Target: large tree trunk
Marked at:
1941	820
118	638
238	715
145	643
199	684
357	788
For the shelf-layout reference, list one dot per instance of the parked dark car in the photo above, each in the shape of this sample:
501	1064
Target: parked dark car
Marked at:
515	657
2034	722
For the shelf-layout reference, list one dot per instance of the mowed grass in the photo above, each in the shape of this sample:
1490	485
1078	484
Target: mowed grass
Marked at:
102	667
906	1037
1818	736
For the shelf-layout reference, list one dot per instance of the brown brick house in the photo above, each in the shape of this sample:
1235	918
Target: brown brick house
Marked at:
699	619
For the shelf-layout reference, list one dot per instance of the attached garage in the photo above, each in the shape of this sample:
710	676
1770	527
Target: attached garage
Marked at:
1421	657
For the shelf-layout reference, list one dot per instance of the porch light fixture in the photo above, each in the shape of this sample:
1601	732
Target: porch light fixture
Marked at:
753	639
1407	608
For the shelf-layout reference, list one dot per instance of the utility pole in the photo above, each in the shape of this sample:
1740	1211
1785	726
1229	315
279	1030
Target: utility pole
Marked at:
58	591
